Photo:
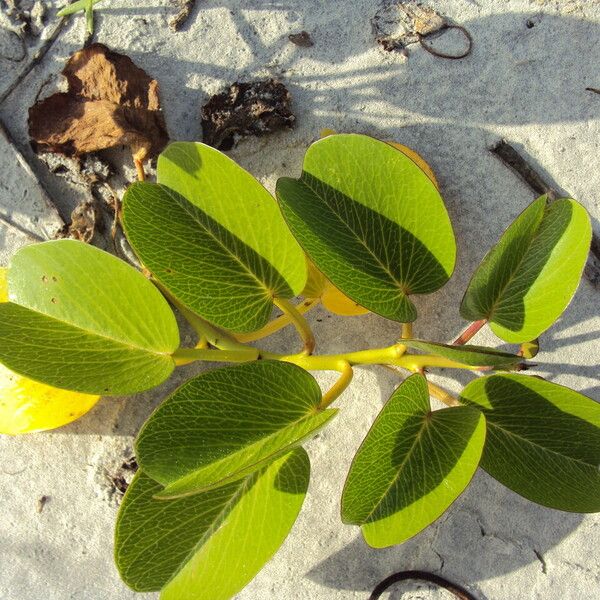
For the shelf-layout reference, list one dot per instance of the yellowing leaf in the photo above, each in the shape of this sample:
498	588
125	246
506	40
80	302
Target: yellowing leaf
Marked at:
336	302
27	406
318	286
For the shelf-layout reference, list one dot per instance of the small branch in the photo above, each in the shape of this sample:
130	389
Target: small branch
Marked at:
277	324
442	395
469	332
438	53
336	390
591	89
299	323
139	167
184	356
511	158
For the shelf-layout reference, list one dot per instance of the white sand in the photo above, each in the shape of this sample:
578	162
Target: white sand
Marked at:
527	85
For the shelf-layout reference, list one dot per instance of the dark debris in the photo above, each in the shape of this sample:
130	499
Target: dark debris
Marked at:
301	39
255	108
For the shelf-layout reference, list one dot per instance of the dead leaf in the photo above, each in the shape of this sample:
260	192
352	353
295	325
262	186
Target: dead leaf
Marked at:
110	102
255	108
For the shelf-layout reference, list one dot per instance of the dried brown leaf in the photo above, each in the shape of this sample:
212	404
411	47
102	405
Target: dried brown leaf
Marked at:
110	102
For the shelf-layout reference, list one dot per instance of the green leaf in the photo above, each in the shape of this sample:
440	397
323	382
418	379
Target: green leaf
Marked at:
527	280
214	237
543	440
226	423
372	221
411	466
208	546
476	356
81	319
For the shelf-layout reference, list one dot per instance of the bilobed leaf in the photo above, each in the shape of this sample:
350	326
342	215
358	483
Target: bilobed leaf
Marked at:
526	281
372	221
475	356
543	440
214	237
411	466
227	423
208	546
83	320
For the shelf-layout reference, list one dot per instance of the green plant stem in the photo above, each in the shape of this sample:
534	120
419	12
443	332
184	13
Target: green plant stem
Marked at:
392	355
407	331
299	322
278	323
469	332
339	386
184	356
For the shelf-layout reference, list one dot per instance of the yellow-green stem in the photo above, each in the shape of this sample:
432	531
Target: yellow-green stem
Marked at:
184	356
442	395
339	386
276	324
213	335
299	323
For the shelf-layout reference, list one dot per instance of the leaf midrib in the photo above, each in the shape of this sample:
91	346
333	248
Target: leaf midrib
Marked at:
126	345
512	276
399	284
245	267
245	485
400	468
232	477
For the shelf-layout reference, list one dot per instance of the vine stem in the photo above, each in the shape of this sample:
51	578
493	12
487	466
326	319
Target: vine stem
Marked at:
278	323
336	390
442	395
184	356
299	322
209	333
469	332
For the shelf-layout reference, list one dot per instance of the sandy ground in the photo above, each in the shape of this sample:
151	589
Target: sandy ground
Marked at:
523	83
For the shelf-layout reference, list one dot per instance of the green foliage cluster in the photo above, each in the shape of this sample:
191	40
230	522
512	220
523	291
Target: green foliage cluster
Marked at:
223	474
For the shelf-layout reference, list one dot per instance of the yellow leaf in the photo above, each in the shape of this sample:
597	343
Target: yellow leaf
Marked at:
318	286
336	302
315	282
27	406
